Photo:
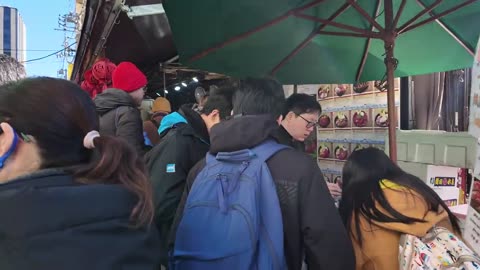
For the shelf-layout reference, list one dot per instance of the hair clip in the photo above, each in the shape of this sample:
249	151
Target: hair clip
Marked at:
25	138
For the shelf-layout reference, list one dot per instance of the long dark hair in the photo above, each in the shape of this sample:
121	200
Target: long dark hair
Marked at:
362	190
58	114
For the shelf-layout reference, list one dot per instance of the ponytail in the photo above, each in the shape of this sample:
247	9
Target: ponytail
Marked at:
115	162
63	120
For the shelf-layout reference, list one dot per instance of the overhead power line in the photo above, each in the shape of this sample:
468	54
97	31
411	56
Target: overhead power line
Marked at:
32	50
52	54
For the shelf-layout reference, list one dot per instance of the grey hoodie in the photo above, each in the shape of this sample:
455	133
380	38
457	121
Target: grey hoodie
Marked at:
120	117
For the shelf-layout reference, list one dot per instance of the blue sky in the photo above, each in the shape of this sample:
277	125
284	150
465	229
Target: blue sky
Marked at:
41	18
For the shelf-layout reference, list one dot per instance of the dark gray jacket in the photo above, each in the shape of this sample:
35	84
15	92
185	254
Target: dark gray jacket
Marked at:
120	117
51	221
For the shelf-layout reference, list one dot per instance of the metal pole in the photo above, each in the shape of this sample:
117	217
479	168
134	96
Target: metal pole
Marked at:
390	62
164	83
392	112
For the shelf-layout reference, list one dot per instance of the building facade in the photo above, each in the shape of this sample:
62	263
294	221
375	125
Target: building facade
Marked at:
13	34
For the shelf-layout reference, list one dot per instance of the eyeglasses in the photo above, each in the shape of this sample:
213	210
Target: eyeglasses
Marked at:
310	124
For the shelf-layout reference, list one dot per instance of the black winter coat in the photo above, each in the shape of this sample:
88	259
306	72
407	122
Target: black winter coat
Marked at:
51	222
120	117
285	138
313	229
168	164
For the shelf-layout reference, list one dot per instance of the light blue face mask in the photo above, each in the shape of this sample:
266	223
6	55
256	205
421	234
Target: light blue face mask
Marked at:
12	148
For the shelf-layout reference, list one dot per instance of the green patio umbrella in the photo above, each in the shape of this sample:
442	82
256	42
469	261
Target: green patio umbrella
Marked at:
326	41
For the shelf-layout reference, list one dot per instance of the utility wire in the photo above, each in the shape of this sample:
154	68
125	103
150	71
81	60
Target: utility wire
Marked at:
31	50
52	54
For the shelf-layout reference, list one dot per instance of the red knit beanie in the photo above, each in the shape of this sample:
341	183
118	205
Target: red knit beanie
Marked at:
128	77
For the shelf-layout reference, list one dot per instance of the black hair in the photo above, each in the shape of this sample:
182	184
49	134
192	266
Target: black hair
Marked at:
300	104
58	114
220	100
258	96
362	191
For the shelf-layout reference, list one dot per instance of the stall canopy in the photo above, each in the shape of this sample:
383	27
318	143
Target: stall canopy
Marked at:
108	31
327	41
137	31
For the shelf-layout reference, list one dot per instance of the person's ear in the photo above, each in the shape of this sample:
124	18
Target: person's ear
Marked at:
214	116
6	138
280	119
290	116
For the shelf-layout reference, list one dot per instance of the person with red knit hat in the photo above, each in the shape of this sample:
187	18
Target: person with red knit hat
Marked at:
118	106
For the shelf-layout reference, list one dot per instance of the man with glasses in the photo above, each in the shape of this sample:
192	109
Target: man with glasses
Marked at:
312	228
300	119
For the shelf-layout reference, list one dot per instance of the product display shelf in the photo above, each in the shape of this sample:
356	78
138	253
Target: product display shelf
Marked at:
371	111
331	159
376	93
352	128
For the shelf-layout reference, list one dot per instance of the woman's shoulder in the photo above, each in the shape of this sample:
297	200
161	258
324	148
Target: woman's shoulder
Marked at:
411	204
402	198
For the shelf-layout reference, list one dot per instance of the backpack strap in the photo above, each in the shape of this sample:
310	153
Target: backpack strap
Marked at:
263	151
267	149
209	158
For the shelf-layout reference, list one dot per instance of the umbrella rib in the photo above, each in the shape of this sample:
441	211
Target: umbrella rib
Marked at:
366	15
399	13
420	14
307	40
367	46
450	32
346	34
335	24
255	30
438	16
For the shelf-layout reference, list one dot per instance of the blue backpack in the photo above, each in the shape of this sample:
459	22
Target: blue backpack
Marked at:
232	218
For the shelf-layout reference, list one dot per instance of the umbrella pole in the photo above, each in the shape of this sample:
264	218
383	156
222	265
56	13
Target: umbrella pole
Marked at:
389	37
392	112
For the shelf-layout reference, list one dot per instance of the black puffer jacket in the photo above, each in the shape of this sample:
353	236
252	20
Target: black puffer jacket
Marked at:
51	222
312	226
168	164
120	117
285	138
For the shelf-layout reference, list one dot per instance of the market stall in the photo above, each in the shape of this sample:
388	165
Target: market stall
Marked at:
137	31
327	41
